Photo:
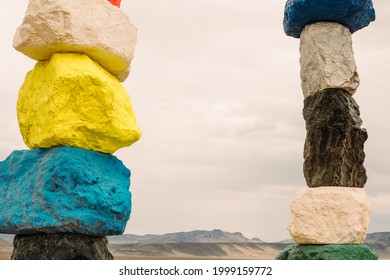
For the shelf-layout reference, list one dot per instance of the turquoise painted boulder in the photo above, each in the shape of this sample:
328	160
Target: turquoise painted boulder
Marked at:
354	14
64	190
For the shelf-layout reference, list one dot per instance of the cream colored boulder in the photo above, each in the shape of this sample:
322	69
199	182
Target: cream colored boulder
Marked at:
327	59
92	27
329	215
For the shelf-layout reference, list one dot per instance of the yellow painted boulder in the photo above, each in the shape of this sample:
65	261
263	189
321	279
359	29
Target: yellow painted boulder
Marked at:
70	100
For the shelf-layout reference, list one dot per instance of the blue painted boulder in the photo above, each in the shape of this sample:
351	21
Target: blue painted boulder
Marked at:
354	14
64	190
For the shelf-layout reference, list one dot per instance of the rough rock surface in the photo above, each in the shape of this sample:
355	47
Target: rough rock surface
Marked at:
93	27
327	59
334	147
60	247
116	2
351	13
329	215
327	252
71	101
64	190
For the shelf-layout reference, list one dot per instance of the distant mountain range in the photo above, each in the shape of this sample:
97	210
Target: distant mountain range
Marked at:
215	244
4	242
205	236
196	236
378	237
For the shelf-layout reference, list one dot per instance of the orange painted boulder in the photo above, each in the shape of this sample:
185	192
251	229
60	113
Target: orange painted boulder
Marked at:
116	2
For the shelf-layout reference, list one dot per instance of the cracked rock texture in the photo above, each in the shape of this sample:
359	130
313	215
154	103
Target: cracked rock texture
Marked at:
92	27
64	190
60	247
327	59
329	215
71	101
327	252
351	13
334	147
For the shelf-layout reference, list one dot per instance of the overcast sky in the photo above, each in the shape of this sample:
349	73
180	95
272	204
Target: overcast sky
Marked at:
216	89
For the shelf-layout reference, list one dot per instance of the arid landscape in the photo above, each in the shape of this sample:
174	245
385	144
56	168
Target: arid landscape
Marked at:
189	250
201	245
5	249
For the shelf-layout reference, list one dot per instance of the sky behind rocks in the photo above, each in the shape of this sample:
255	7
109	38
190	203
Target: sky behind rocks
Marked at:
215	86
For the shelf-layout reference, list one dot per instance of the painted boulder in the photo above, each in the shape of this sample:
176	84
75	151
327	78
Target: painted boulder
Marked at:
70	100
327	252
327	59
60	247
64	190
354	14
329	215
334	146
116	2
92	27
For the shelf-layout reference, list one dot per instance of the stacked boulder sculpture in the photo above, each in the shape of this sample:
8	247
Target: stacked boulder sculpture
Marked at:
68	192
329	220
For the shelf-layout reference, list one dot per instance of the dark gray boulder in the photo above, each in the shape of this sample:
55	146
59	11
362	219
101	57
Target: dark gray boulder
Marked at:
334	147
60	247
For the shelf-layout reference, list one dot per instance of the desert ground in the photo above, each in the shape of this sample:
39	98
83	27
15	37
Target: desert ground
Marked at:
180	251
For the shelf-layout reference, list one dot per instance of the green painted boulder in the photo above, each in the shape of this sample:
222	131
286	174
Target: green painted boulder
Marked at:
327	252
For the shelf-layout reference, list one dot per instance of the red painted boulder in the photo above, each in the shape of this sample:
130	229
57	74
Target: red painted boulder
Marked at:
116	2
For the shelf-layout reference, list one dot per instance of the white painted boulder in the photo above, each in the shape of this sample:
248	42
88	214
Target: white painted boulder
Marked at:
92	27
327	59
329	215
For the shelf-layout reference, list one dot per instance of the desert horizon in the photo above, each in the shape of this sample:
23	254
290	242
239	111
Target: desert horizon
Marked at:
201	245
